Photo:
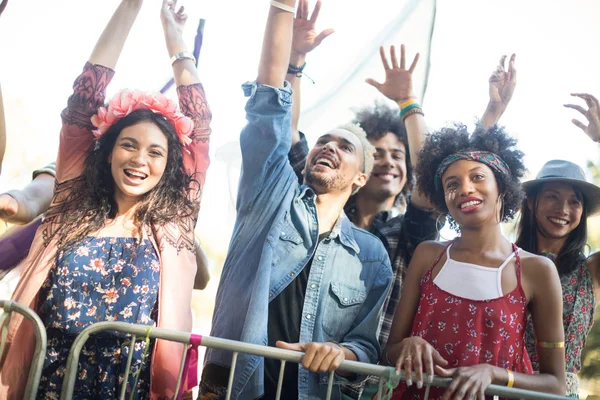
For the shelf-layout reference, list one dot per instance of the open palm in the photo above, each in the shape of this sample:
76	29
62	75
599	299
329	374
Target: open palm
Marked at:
398	80
306	38
592	114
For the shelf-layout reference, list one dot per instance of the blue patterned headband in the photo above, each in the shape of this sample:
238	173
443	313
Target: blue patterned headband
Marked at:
485	157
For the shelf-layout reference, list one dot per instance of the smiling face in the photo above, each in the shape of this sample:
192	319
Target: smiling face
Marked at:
471	193
558	210
335	163
138	160
389	169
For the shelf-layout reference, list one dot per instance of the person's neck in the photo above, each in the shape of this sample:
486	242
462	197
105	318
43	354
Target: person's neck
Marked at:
549	245
329	208
368	207
125	207
485	238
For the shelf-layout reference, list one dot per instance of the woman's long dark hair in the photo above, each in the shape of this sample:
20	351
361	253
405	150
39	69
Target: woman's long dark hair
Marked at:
91	202
572	253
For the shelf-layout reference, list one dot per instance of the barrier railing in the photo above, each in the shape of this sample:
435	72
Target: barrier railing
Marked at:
37	363
139	332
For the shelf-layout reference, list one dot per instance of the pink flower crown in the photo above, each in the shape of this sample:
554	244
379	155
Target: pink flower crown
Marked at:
126	101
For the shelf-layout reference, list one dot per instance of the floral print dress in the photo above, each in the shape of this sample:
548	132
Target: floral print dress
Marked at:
579	303
99	279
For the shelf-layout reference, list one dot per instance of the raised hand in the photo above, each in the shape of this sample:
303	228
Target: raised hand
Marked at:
173	19
503	83
398	80
592	114
306	38
502	86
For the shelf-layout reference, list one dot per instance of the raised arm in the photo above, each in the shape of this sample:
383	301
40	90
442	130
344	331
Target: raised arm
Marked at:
502	86
277	44
173	21
305	40
592	115
111	42
89	92
399	88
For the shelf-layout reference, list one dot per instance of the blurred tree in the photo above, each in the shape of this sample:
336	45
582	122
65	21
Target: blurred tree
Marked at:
591	353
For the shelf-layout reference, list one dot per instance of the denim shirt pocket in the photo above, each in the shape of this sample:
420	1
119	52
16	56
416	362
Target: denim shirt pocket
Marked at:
341	307
285	242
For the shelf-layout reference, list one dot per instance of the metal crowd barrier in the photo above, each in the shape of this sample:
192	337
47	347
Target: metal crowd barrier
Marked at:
37	362
139	332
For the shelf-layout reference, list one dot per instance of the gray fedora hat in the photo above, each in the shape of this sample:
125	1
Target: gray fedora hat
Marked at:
568	172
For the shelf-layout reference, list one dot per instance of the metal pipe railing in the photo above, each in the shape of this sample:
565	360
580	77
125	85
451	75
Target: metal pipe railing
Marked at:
286	356
37	362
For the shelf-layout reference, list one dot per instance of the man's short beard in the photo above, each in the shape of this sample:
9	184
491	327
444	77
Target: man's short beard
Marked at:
329	183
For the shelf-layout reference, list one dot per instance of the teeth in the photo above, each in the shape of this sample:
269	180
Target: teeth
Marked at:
470	203
325	161
136	174
558	221
387	176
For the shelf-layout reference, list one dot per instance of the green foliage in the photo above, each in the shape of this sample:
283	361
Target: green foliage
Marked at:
591	353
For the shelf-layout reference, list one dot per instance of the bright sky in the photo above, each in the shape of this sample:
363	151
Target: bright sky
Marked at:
44	44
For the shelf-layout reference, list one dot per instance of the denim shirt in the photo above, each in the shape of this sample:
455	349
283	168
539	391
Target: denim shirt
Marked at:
275	235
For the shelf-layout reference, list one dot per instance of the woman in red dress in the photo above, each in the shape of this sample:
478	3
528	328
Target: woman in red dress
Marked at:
462	313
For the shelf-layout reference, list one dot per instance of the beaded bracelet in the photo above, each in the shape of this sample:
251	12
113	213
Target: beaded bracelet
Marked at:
415	110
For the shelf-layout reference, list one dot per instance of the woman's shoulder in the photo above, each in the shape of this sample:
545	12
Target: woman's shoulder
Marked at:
539	272
535	263
428	251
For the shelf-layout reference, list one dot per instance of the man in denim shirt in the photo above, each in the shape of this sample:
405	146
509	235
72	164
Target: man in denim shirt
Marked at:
292	239
398	142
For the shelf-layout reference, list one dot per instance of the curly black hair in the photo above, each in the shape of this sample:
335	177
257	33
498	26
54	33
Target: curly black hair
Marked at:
450	140
91	203
378	121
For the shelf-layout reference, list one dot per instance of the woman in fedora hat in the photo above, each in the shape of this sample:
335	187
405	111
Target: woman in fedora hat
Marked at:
554	223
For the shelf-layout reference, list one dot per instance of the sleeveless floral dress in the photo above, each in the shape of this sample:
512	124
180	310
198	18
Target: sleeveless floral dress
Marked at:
469	332
579	303
99	279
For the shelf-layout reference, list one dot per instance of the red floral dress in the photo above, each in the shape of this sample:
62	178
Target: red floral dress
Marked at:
469	332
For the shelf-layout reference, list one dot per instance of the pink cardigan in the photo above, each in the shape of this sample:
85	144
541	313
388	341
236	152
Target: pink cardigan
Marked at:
174	243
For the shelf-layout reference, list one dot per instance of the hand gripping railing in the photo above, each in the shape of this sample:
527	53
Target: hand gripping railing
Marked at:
141	331
37	362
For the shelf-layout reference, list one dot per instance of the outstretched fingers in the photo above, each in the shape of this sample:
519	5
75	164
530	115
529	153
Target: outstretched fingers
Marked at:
315	13
321	36
578	108
384	60
414	63
304	14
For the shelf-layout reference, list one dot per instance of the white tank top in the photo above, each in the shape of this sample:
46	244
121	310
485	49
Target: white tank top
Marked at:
471	281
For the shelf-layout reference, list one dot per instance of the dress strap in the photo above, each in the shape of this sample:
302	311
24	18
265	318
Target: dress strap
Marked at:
445	250
518	262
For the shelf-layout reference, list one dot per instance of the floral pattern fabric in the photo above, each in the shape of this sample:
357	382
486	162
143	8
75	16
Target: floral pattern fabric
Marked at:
469	332
579	304
99	279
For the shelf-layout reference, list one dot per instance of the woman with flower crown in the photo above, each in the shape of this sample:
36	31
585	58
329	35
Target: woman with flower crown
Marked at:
117	242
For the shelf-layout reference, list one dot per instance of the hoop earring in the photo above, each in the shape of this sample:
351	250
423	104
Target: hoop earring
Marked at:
440	224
